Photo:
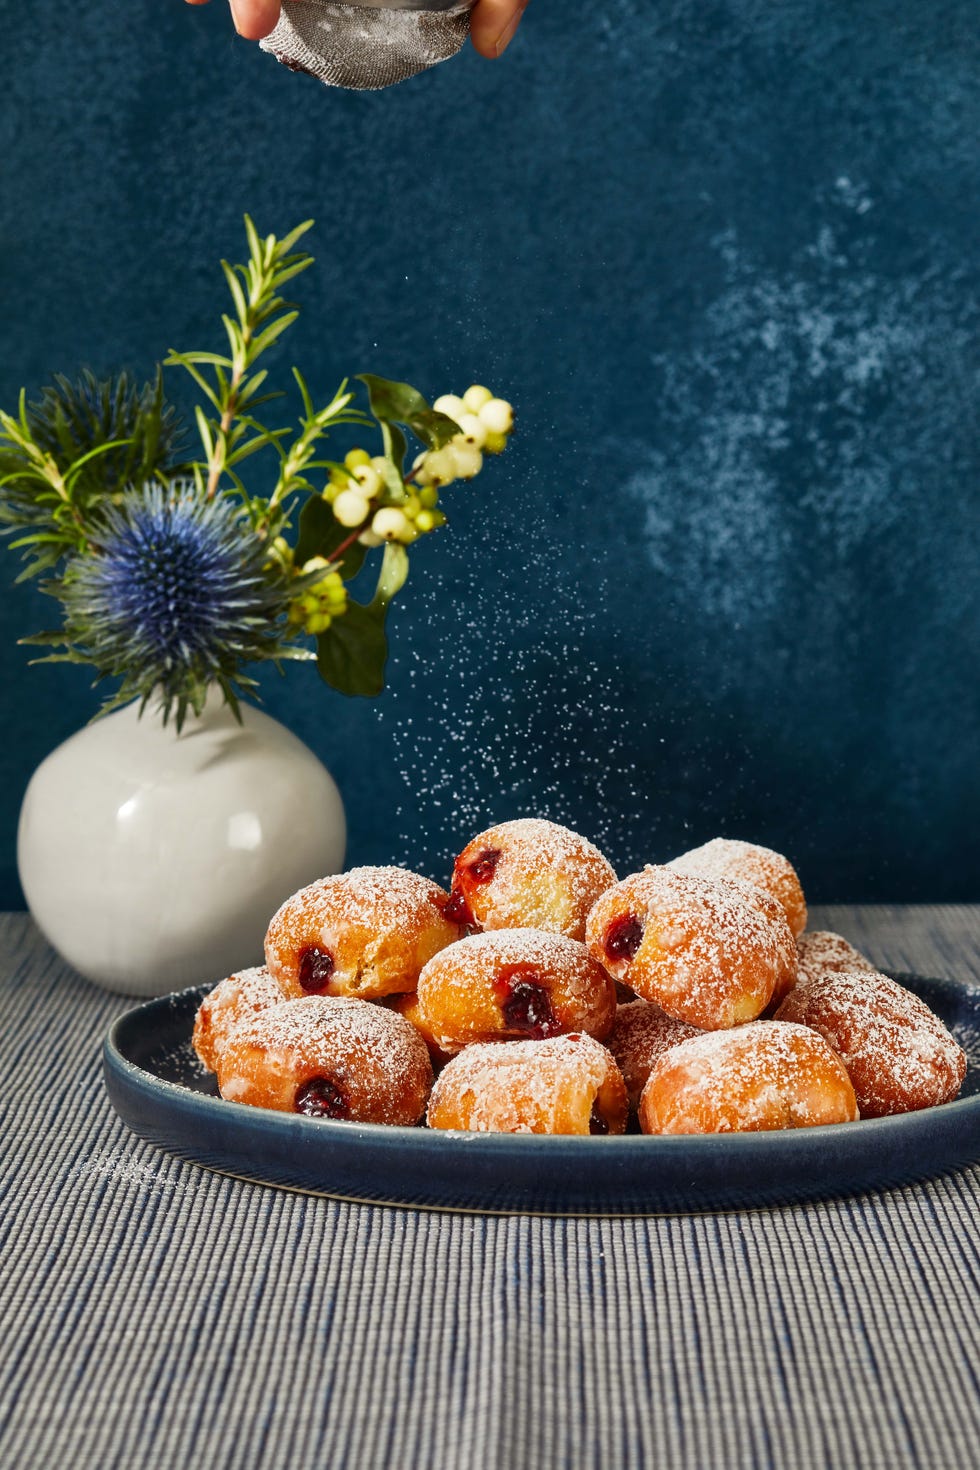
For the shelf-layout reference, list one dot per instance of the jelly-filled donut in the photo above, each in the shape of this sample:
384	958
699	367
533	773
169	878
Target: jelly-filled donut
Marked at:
564	1084
366	934
725	857
408	1006
513	985
528	874
822	952
640	1035
329	1057
227	1006
898	1054
766	1075
773	910
699	950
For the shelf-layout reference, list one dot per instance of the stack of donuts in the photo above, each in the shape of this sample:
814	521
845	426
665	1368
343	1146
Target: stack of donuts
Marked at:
542	995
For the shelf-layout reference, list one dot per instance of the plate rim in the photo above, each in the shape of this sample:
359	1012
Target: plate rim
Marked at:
371	1138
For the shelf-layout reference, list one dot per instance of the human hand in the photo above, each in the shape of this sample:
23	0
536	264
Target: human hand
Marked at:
253	18
492	24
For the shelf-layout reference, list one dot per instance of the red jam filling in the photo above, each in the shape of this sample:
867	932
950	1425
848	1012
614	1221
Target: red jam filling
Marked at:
482	869
623	937
466	877
315	968
525	1004
320	1097
456	909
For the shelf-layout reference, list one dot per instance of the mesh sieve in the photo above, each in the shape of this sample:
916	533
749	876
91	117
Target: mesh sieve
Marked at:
367	43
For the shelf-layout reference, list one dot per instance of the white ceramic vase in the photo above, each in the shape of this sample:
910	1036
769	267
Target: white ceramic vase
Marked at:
152	861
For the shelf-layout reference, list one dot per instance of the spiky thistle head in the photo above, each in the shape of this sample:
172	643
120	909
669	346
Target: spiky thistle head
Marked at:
75	415
178	596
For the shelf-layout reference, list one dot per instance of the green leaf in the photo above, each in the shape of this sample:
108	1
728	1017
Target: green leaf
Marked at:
400	403
254	243
304	392
393	575
395	449
288	241
204	429
352	653
235	287
93	454
265	339
50	637
37	537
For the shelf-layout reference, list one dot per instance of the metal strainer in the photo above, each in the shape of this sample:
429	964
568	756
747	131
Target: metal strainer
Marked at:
368	43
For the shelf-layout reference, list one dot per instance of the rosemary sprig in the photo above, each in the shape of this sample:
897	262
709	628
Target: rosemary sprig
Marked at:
231	383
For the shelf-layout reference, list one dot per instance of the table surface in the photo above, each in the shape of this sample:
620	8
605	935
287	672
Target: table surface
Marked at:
155	1314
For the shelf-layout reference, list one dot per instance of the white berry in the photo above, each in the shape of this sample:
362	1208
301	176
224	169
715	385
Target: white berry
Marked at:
474	430
368	479
450	405
497	416
351	508
440	466
391	523
474	398
468	459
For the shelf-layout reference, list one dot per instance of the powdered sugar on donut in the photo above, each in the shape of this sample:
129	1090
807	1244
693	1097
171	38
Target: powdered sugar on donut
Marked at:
727	857
461	991
821	950
345	898
373	1053
547	1086
899	1055
641	1033
229	1005
375	926
706	956
763	1076
545	876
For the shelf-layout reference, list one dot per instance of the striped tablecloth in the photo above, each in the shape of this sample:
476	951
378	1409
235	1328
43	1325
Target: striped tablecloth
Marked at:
154	1314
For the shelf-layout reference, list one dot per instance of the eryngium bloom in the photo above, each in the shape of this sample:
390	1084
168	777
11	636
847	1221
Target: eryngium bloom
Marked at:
178	596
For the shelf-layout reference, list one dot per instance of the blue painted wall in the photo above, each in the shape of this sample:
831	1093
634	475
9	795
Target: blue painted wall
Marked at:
722	257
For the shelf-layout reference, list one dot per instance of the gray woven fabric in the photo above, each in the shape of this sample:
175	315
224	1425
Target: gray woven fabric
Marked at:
155	1314
367	45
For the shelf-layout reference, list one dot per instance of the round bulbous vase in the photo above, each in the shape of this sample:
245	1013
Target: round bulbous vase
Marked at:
152	861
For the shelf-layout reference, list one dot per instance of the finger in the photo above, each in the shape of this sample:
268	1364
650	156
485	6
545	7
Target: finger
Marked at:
254	18
493	24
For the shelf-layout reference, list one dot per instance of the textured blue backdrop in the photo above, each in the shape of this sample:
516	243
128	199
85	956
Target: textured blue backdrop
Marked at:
722	257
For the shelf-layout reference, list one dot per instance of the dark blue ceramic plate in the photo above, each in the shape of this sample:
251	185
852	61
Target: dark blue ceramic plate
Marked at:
158	1088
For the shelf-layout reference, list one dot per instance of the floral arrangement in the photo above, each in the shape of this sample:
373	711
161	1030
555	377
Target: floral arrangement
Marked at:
172	574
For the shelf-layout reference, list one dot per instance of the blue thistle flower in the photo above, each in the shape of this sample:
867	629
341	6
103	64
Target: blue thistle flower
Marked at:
178	597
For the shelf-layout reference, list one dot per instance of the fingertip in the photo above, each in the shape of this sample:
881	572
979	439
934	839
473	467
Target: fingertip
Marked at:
253	19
